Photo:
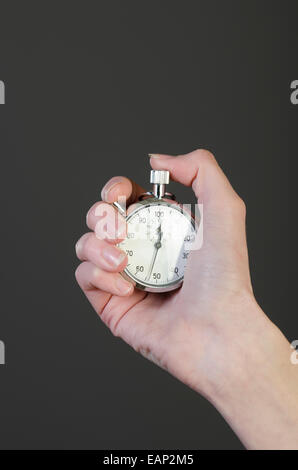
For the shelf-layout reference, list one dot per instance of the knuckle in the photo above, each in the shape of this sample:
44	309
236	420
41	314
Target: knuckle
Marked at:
204	155
83	276
116	179
78	273
111	189
97	210
232	208
97	276
100	209
87	240
242	205
91	212
81	245
238	205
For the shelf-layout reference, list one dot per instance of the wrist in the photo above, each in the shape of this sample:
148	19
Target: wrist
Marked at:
233	342
257	389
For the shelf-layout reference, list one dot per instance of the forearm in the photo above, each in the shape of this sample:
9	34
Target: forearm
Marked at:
260	396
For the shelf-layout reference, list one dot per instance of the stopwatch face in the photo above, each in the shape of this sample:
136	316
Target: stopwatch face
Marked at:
157	246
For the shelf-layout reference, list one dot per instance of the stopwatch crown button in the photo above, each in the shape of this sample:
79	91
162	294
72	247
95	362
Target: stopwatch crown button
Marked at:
159	177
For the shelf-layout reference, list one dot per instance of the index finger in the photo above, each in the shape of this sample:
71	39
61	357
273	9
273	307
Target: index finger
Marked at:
116	187
121	186
200	170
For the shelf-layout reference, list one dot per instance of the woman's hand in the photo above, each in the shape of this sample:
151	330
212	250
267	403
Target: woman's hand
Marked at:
210	334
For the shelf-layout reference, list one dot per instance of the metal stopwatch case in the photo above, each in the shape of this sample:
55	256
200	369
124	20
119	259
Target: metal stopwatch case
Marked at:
159	232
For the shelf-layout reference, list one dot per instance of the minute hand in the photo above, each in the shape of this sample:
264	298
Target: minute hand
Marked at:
157	246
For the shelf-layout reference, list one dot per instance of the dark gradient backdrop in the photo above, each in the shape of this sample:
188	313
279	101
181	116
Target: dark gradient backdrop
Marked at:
91	88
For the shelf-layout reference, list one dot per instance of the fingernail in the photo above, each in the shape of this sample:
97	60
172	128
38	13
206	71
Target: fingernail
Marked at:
123	286
153	155
107	188
162	156
113	256
78	247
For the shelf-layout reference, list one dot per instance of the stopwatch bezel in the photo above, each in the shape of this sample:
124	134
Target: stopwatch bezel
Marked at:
141	205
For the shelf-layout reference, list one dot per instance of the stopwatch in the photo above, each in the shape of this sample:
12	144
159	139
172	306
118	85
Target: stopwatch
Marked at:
158	237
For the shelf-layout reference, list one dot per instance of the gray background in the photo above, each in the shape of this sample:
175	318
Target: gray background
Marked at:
91	88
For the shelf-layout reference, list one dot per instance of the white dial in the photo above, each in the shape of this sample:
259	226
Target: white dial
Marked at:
157	235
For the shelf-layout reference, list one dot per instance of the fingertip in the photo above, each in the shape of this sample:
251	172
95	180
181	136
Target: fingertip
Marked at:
131	290
159	158
197	169
161	162
115	258
125	288
116	187
107	223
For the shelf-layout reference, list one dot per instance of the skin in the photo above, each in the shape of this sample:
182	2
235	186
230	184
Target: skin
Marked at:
211	334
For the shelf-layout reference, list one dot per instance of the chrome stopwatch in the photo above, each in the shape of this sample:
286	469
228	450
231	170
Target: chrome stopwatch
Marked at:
157	243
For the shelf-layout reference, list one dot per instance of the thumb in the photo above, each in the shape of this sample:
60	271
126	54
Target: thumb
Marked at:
199	170
224	210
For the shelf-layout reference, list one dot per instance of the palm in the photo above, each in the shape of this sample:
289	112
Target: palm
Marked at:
167	327
141	319
147	321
